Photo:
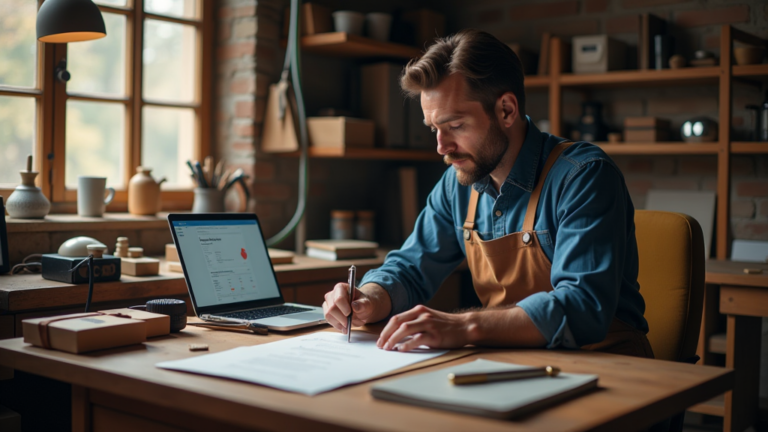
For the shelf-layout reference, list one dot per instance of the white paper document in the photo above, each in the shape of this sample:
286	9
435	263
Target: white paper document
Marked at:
309	364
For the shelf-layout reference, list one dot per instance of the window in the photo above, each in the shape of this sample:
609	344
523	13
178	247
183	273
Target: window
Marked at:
138	97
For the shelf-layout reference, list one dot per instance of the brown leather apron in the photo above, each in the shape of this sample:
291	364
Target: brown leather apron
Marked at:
510	268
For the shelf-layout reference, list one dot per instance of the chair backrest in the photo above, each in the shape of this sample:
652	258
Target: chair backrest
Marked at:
671	276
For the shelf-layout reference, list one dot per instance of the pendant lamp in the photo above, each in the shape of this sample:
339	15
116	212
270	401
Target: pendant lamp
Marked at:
62	21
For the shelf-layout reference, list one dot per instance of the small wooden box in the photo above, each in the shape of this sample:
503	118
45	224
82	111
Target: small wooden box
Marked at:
143	266
646	129
171	254
340	132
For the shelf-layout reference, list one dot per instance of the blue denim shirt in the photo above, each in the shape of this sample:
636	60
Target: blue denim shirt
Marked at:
584	223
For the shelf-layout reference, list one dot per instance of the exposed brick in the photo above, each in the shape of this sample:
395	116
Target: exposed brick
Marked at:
742	166
634	4
490	16
268	210
712	42
639	187
570	27
592	6
676	184
726	15
236	50
317	190
688	105
664	166
540	10
242	145
261	108
262	84
264	170
750	229
268	30
622	24
755	188
638	165
225	31
244	28
243	85
237	11
743	209
763	209
245	109
242	129
273	191
509	33
698	165
626	108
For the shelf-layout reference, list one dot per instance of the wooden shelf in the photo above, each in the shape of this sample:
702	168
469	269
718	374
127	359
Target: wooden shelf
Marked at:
757	70
684	76
347	45
369	154
717	343
660	148
536	82
749	147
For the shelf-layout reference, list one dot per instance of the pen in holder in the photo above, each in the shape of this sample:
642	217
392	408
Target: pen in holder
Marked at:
213	184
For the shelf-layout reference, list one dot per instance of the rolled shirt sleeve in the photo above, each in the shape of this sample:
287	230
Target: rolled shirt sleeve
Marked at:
412	274
588	261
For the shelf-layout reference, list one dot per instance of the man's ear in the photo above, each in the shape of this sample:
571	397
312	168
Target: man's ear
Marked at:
507	109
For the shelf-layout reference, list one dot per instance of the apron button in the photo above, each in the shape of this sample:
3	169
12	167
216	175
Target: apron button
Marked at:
467	234
527	238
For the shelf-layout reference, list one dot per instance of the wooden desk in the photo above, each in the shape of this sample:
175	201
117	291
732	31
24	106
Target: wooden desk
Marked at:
121	390
743	298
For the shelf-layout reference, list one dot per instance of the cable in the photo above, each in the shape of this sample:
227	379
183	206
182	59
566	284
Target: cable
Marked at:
88	260
292	63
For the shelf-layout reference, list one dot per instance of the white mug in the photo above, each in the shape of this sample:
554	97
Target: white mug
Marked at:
90	196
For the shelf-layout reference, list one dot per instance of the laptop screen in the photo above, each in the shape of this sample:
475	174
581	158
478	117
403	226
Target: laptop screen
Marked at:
226	261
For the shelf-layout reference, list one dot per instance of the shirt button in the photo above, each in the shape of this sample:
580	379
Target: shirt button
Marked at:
498	213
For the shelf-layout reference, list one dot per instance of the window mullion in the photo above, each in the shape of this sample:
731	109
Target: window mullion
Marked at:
134	152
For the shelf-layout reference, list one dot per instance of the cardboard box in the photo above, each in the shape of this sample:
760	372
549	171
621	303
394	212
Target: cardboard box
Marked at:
340	132
598	54
157	324
79	333
646	129
383	102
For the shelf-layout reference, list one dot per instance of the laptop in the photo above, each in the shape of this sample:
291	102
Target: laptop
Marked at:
229	275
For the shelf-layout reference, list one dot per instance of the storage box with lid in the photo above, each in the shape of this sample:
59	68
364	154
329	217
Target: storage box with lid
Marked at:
340	132
598	54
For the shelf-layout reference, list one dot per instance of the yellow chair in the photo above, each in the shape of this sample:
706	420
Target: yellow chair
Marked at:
671	276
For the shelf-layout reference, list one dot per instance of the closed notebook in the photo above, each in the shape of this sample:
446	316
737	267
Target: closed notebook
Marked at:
501	399
340	249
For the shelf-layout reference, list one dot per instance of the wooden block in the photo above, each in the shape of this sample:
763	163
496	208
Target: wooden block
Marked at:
175	266
143	266
279	256
171	254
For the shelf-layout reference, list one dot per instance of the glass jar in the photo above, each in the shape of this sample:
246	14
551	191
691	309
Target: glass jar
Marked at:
364	225
342	224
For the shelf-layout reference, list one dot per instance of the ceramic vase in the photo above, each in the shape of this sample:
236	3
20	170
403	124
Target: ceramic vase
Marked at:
28	201
144	193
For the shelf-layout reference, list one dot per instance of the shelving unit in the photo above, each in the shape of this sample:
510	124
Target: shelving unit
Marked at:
664	77
371	154
341	44
659	148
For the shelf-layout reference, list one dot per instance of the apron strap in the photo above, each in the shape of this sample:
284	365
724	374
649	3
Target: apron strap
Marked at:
533	203
469	223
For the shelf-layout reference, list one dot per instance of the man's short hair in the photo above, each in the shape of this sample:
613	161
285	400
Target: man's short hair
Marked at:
489	67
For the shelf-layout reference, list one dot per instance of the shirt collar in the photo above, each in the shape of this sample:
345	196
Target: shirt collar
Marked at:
523	173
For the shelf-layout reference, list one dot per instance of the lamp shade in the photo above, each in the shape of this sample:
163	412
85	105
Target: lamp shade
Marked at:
62	21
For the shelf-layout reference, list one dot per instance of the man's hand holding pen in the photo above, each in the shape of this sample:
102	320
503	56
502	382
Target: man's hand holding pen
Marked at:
370	304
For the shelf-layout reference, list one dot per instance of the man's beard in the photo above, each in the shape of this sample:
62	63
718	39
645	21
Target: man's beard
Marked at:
489	155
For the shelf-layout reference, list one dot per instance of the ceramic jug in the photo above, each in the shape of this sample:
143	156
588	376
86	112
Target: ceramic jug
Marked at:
144	193
27	201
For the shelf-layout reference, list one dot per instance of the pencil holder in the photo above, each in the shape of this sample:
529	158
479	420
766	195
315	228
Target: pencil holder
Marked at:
208	200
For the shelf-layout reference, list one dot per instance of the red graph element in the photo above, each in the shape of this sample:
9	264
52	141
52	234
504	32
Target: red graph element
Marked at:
243	253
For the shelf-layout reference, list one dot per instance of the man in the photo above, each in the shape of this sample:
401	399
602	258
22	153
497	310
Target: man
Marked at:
547	226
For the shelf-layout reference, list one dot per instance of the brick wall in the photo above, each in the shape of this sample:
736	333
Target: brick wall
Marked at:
696	25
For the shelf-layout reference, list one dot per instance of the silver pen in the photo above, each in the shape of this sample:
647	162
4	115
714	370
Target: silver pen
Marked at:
351	292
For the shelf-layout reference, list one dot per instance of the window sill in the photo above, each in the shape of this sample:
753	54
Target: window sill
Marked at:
73	222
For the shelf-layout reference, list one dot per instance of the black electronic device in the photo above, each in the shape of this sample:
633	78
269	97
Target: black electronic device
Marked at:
59	268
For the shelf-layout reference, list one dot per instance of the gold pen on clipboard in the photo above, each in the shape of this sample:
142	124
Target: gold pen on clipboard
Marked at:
479	378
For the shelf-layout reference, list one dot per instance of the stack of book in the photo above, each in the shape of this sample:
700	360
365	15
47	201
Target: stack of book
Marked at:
334	250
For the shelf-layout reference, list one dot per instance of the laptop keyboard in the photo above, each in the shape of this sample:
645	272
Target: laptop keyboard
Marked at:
265	312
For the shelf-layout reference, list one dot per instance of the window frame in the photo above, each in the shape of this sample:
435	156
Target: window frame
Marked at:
51	100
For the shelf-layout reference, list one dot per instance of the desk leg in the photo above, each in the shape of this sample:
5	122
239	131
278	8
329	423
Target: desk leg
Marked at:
81	409
709	317
743	355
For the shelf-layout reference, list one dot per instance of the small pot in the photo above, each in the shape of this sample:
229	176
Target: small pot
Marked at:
378	25
749	55
208	200
349	22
